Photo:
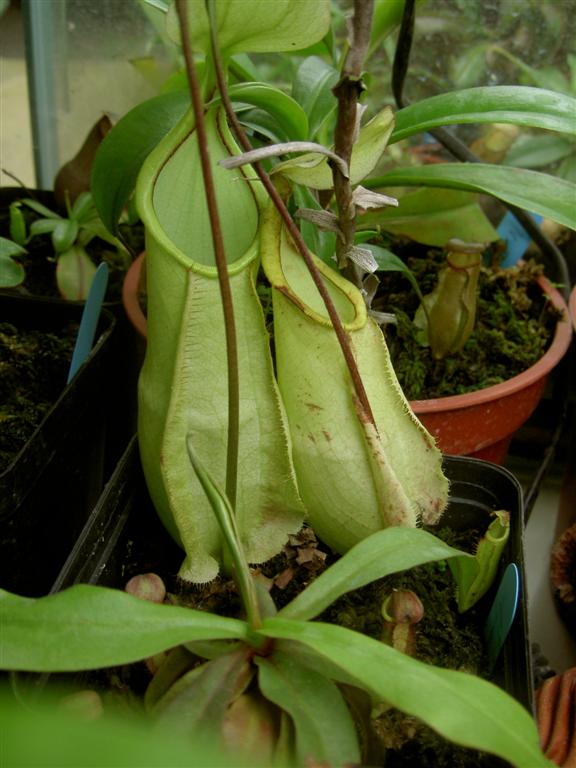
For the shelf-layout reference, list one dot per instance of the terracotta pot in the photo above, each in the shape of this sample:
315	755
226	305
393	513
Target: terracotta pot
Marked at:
131	289
556	715
479	424
572	306
482	423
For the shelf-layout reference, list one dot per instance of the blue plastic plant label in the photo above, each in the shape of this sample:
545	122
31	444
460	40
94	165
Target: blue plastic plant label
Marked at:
516	237
503	611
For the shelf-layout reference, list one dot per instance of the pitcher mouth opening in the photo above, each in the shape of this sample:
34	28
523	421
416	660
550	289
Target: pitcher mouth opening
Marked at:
172	172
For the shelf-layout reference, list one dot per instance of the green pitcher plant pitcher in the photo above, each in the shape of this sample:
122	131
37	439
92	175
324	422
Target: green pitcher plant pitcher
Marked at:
354	478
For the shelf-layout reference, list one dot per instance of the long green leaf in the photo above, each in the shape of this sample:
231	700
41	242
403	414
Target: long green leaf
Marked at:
324	728
255	26
123	151
521	105
88	627
551	197
387	16
461	707
538	151
312	89
46	736
40	209
10	248
226	520
389	262
387	551
197	702
11	272
284	108
434	216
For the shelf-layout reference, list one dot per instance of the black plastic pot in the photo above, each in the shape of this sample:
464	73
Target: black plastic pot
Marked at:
128	364
478	487
52	484
124	537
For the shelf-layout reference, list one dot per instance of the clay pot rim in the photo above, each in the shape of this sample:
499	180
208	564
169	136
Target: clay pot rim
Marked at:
551	357
130	297
572	306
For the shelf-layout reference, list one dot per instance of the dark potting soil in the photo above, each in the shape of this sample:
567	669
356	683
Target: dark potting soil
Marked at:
33	370
515	324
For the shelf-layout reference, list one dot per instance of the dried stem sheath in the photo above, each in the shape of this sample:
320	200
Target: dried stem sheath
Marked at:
221	264
293	230
347	92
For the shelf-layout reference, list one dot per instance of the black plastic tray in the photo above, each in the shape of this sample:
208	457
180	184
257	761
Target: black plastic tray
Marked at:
53	483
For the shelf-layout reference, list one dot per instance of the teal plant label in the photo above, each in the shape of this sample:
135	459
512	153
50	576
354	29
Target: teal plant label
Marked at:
516	237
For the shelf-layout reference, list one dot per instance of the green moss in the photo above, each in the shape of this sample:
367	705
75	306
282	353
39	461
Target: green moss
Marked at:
514	327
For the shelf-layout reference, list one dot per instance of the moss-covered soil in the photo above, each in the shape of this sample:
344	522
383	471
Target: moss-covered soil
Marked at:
514	326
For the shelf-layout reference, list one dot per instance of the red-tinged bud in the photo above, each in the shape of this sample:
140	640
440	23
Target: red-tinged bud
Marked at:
86	705
147	586
251	728
402	610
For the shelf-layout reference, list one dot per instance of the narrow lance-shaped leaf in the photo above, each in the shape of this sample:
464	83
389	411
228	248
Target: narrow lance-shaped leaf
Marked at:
45	735
324	729
521	105
87	627
312	89
387	16
284	108
432	217
17	227
327	426
232	547
126	147
389	262
538	151
9	249
11	272
382	553
541	193
40	209
463	708
197	702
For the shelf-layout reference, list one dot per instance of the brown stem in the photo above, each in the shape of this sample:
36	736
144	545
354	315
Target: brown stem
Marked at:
294	232
221	264
347	92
